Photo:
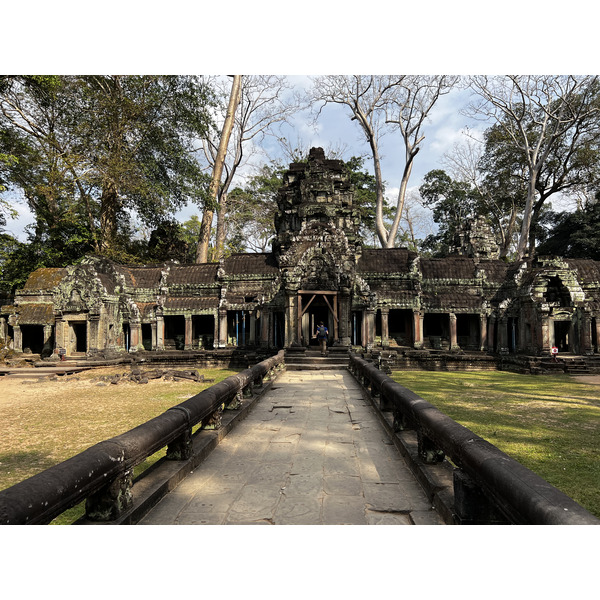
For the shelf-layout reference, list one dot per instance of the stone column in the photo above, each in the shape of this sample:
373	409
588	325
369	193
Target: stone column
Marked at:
503	334
545	333
290	320
3	329
344	317
597	334
385	329
490	337
298	321
222	338
585	337
482	332
264	328
153	329
188	339
160	332
135	330
18	338
370	327
48	349
93	330
417	329
252	340
453	338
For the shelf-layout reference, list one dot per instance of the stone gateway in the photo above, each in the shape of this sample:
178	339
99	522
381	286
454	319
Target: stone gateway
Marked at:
318	270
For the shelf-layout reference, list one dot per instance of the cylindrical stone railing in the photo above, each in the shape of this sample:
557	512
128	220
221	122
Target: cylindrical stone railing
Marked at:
520	496
104	470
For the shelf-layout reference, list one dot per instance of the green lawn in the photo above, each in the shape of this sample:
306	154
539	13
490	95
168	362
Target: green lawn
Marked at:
550	424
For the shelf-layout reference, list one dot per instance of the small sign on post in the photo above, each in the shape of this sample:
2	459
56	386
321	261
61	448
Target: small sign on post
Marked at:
62	353
554	352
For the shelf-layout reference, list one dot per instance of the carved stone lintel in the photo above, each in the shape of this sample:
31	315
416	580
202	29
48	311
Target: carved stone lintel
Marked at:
111	501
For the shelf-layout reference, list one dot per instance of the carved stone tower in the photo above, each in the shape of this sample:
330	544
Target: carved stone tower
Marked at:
318	190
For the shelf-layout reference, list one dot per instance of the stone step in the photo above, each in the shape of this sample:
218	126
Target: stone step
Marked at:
336	359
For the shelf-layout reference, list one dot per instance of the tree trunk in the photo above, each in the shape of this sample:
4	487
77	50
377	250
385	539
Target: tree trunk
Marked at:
527	212
109	208
400	205
207	217
221	227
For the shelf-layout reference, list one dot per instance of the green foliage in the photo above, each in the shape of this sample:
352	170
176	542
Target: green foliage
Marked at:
92	150
574	234
452	202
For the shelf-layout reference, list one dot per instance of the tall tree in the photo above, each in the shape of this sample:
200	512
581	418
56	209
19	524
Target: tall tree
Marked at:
92	149
266	102
497	174
381	104
219	162
553	122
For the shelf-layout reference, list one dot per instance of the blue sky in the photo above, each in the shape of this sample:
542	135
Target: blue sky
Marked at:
462	37
335	130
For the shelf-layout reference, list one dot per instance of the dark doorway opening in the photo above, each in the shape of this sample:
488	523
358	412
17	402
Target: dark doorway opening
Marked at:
126	336
278	329
174	332
400	326
357	328
468	331
147	336
80	331
33	338
315	307
561	335
203	331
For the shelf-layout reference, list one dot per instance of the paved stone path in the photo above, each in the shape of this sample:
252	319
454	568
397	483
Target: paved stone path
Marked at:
310	452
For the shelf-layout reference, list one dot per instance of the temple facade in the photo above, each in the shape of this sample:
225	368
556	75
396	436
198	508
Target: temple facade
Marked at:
318	270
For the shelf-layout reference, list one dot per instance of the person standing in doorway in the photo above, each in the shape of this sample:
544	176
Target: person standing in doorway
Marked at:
322	333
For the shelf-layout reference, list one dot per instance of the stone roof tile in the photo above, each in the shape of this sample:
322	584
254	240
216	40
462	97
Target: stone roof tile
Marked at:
35	314
193	274
190	303
385	260
263	263
451	267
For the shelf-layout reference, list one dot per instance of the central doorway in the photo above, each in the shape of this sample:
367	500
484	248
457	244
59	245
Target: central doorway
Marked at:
315	306
561	335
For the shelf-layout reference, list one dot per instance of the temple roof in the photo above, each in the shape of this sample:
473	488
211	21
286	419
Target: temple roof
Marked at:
251	264
36	314
193	274
385	260
44	278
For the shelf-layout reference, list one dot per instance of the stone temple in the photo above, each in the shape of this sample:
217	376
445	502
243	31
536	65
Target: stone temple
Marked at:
318	270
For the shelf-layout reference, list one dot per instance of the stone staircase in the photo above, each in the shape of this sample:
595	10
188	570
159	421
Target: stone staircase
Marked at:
576	366
573	365
304	359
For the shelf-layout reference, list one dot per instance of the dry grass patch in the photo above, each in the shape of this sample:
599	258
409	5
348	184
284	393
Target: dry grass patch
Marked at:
45	422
